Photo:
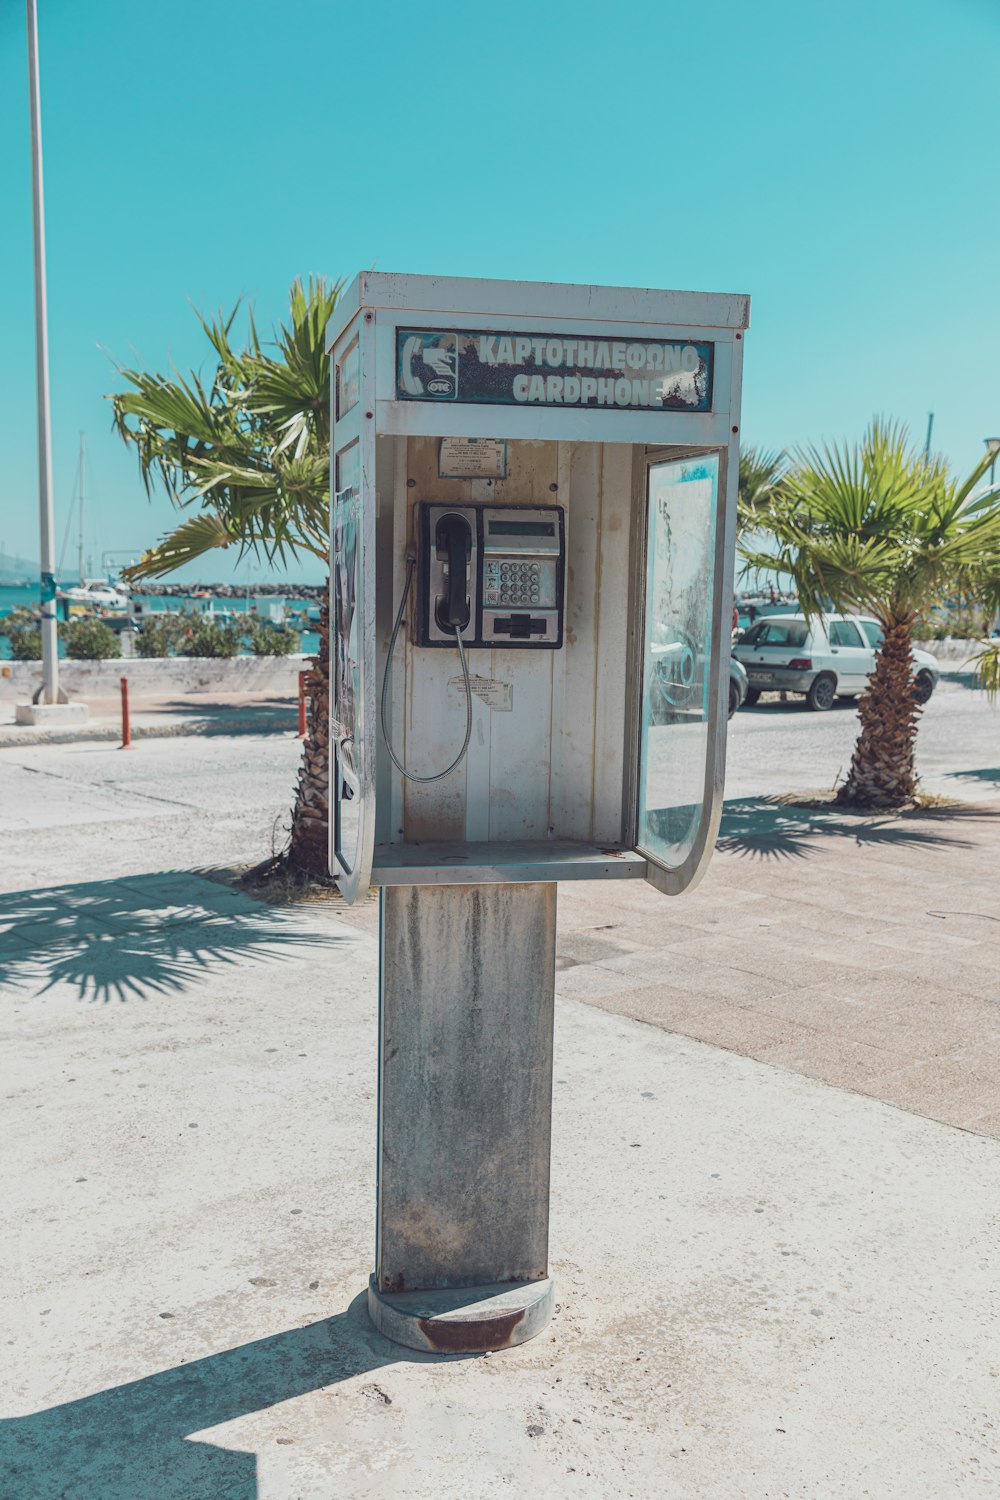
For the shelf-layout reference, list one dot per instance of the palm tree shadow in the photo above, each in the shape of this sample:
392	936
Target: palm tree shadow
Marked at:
963	679
274	715
769	828
135	938
134	1440
988	774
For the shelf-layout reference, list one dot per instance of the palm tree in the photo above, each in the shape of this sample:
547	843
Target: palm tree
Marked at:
760	475
248	452
881	529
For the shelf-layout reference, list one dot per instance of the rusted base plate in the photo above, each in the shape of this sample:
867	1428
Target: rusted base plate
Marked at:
469	1320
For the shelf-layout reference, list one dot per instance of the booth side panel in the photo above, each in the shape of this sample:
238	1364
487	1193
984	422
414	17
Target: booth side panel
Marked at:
613	606
388	451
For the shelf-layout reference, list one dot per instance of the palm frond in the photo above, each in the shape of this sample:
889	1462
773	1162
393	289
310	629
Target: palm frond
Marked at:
760	474
248	446
192	539
987	665
877	526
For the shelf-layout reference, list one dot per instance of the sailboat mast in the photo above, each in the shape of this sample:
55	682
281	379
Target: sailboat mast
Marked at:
79	550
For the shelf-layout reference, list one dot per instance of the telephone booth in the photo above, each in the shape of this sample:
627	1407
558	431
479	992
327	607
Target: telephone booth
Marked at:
533	516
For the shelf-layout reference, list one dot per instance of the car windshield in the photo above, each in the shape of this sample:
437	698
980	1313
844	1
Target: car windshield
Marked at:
777	633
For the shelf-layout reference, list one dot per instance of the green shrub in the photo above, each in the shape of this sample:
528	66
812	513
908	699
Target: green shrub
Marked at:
268	639
24	634
89	639
211	638
159	633
951	624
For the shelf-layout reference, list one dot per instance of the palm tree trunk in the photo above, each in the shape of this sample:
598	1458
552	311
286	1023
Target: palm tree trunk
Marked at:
883	770
308	848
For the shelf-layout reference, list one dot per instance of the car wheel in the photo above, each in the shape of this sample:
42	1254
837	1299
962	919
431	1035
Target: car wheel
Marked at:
923	687
753	694
734	697
822	693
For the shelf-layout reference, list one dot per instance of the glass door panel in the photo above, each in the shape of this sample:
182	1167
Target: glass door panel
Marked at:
677	710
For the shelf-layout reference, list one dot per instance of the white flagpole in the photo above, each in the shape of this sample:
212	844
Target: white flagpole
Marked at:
50	649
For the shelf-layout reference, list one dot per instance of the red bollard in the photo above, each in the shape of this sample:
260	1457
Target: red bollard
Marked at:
126	743
302	706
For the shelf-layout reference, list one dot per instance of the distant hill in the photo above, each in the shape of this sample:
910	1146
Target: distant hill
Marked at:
15	569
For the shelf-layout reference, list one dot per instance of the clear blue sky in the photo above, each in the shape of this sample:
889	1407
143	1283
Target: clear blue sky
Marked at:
838	162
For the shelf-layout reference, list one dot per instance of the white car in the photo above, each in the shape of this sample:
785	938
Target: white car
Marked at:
829	657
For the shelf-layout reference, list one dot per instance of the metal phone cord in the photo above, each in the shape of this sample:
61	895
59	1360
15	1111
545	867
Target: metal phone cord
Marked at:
411	563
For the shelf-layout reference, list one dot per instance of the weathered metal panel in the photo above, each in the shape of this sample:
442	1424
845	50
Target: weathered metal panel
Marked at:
465	1043
572	775
611	632
564	424
388	289
461	863
352	626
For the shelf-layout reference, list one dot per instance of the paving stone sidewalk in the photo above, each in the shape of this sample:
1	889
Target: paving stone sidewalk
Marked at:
862	951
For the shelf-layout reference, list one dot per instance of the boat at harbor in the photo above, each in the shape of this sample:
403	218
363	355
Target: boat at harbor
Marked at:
95	594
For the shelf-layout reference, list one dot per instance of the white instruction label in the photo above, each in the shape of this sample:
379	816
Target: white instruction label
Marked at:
496	695
472	458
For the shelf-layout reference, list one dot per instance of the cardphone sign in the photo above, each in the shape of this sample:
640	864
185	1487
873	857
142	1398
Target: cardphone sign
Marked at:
497	368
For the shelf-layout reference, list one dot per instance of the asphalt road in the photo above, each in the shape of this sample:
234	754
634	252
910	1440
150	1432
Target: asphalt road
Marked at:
79	811
217	800
778	747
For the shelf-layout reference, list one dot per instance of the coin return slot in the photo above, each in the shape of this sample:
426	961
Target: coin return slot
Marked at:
520	627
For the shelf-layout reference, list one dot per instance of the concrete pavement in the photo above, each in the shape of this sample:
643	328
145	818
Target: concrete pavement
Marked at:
769	1284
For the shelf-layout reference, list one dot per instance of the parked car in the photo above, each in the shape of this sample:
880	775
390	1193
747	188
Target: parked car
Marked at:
675	683
830	657
739	685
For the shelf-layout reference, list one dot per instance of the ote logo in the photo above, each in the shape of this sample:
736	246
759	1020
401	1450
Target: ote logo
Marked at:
428	365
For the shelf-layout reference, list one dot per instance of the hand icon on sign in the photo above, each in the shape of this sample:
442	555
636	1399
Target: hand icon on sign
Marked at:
441	361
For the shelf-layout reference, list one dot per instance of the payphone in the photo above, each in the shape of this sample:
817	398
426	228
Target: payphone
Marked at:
502	566
533	519
488	576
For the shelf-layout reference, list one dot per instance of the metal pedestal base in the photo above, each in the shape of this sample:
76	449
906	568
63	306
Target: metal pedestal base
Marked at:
465	1101
467	1320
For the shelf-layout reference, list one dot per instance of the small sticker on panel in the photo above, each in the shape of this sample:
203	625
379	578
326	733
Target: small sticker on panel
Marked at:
472	458
496	695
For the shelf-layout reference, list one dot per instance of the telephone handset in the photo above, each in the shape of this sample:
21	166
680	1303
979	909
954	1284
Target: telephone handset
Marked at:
453	546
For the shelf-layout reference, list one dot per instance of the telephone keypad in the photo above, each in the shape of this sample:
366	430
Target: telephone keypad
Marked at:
512	584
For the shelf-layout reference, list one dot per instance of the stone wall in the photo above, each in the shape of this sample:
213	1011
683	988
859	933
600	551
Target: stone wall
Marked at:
154	676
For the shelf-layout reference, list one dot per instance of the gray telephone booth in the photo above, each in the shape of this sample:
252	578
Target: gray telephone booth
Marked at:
533	516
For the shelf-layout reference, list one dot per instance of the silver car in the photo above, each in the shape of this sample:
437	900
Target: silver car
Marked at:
829	657
675	686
